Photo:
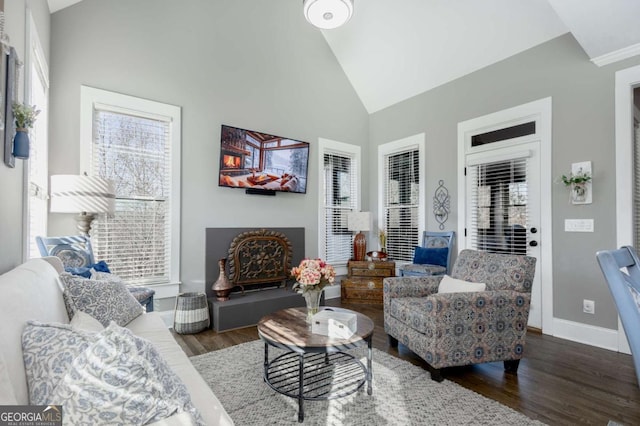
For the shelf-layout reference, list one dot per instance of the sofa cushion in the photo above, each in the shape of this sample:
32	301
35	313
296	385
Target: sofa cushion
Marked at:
430	256
453	285
48	351
29	291
121	378
106	301
83	321
7	396
151	327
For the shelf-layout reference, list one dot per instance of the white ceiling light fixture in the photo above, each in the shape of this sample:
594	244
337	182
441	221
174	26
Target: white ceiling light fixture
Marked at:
327	14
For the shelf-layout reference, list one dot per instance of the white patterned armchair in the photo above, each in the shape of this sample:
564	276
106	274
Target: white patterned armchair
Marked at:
453	329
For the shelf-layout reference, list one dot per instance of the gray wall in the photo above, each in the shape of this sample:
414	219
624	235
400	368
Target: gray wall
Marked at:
12	185
583	129
252	64
259	65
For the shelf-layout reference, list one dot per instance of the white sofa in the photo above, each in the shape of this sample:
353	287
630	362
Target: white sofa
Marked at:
32	291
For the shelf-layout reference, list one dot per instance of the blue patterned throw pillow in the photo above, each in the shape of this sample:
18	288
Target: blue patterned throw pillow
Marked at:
106	301
430	256
48	351
122	379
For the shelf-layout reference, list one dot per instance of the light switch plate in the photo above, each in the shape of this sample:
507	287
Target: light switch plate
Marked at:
578	225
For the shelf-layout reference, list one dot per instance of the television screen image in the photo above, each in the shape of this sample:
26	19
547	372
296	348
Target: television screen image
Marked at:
258	161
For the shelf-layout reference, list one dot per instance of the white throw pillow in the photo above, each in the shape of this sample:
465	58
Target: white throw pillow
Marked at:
454	285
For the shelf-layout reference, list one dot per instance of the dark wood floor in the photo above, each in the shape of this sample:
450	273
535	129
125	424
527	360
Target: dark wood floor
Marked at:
559	382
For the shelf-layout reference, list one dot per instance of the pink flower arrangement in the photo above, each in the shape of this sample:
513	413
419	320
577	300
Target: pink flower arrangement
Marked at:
313	274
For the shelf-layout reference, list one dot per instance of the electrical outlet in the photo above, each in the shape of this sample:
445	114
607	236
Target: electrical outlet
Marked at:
588	306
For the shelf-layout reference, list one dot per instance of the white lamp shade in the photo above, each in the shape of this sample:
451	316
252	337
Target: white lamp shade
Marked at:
359	221
78	194
328	14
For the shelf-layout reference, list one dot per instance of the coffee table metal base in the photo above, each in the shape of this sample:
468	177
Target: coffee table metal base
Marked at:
316	376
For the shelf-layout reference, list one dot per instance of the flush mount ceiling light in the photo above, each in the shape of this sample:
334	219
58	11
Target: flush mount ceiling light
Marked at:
327	14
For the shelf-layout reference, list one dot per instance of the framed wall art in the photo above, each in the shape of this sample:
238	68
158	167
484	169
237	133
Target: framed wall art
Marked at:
8	62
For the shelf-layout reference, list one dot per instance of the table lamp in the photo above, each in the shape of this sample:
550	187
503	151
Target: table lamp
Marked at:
85	195
359	221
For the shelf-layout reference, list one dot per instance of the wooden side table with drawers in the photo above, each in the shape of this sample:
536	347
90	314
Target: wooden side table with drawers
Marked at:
364	281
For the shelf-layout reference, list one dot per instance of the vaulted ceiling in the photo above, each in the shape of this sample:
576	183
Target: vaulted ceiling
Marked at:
392	50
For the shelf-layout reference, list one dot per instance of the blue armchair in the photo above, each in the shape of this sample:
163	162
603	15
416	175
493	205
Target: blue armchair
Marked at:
76	252
621	269
433	257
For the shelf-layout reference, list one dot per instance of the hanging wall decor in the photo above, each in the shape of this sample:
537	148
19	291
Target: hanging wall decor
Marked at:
580	183
441	204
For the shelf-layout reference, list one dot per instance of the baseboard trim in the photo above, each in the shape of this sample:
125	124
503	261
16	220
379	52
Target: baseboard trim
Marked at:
600	337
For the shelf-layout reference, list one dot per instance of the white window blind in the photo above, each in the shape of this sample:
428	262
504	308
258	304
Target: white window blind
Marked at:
134	151
37	166
340	197
400	204
499	206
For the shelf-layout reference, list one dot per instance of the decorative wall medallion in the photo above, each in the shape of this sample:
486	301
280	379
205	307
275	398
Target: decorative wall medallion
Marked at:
441	204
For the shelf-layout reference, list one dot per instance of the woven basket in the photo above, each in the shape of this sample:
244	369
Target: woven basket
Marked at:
191	313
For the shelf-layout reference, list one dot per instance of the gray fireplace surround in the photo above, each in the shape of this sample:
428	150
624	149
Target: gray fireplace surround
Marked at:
243	310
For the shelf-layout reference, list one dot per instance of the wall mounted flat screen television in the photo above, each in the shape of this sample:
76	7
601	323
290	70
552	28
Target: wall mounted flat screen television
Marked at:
259	162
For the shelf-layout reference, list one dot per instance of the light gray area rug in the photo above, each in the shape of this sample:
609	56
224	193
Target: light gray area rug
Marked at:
403	394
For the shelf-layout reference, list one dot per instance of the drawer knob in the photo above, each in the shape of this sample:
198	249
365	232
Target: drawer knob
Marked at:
371	284
372	266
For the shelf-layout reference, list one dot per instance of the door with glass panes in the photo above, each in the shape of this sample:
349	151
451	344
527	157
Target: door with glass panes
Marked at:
503	206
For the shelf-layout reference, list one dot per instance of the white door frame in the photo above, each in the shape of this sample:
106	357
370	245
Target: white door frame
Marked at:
540	111
626	81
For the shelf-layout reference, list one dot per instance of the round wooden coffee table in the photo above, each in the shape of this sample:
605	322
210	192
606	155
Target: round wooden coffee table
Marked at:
314	366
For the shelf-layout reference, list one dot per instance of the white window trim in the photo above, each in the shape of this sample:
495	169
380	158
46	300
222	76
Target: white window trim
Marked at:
328	146
89	98
412	142
626	81
541	112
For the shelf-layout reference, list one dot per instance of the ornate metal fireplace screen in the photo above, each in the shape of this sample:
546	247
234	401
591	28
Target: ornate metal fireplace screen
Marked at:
259	257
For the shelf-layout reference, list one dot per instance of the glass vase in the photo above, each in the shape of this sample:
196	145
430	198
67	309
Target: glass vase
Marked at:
312	298
579	192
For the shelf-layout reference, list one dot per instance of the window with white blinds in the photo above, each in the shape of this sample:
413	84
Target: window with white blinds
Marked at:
37	165
401	203
499	206
137	150
340	195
